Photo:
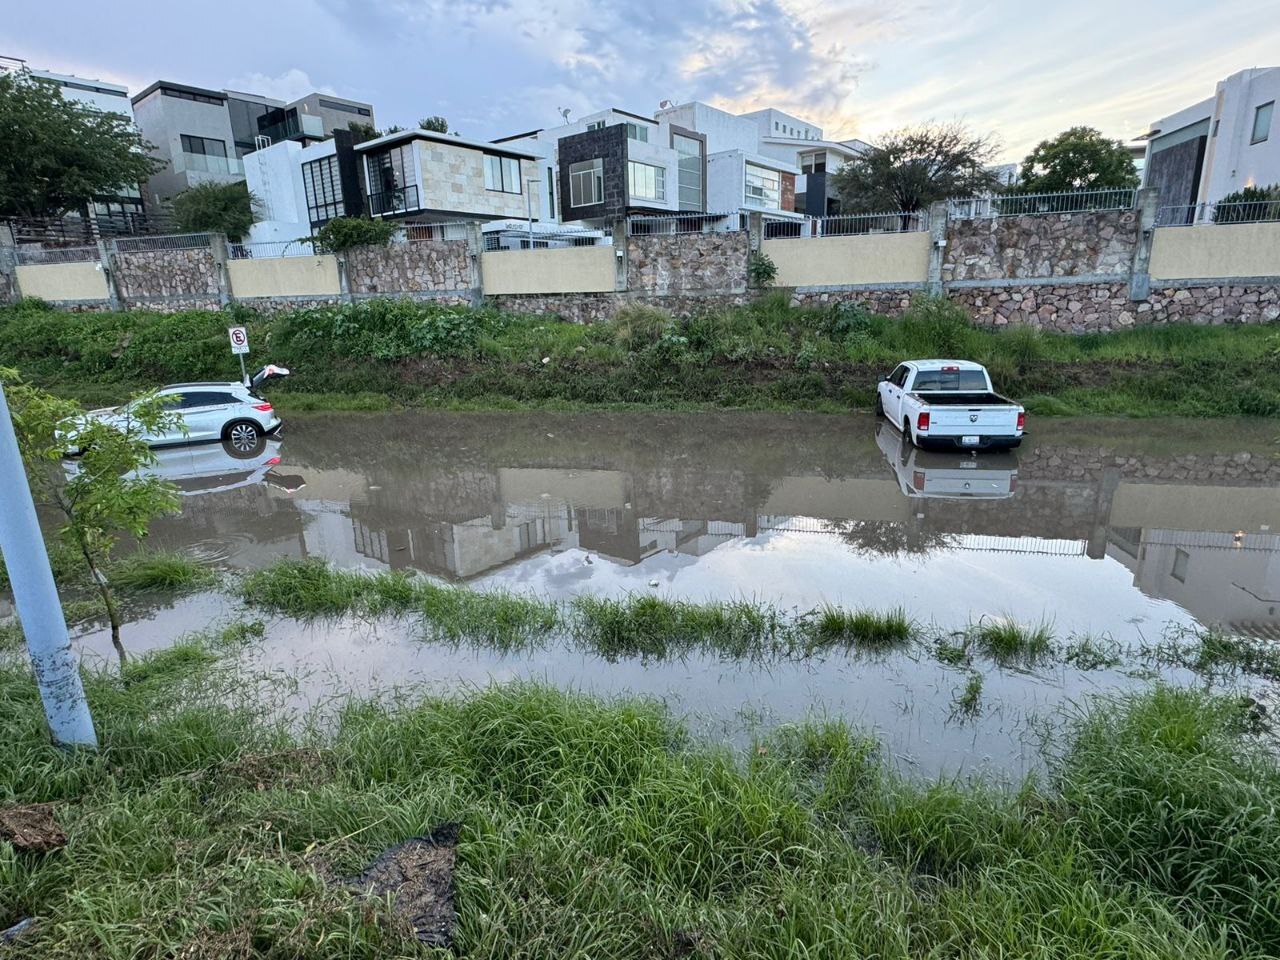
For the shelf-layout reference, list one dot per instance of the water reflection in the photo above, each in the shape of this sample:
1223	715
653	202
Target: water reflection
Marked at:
1102	531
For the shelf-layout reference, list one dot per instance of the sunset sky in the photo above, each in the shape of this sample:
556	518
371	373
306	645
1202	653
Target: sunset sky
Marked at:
496	67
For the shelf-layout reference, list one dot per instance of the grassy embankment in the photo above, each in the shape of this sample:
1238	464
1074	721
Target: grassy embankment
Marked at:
590	828
768	355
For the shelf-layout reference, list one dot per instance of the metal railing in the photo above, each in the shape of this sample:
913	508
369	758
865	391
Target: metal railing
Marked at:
176	241
1030	204
400	200
1185	215
78	230
453	230
33	253
845	225
517	239
673	223
265	249
184	162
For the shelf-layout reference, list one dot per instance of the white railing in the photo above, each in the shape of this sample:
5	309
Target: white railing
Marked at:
845	225
184	162
33	253
517	239
173	241
1185	215
265	249
672	223
453	230
1030	204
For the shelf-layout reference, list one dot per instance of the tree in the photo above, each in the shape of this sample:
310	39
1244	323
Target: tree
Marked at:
343	233
58	155
106	492
1249	205
1078	159
914	167
435	124
364	131
215	208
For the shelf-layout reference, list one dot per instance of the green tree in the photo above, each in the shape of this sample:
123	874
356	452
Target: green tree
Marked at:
365	131
1077	159
106	492
343	233
58	155
1249	205
914	167
215	208
435	124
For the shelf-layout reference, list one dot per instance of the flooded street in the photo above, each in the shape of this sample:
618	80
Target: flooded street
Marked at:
1109	528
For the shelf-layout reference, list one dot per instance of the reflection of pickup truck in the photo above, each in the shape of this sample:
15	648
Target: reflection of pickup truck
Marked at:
948	476
949	403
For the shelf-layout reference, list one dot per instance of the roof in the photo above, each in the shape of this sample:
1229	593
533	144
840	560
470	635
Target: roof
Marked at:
184	87
516	136
405	136
223	384
801	143
940	364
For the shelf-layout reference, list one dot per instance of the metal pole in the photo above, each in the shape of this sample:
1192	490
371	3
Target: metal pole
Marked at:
528	204
244	374
55	665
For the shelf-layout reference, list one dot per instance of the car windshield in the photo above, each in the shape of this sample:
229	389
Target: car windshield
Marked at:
959	380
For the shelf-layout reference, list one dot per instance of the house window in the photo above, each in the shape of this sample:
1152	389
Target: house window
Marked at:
637	132
1180	560
813	163
646	182
763	187
323	185
551	190
188	95
345	107
586	183
392	180
595	125
689	171
501	173
204	145
1262	122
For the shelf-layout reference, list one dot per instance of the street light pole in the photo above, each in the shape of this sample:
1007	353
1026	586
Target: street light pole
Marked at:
55	666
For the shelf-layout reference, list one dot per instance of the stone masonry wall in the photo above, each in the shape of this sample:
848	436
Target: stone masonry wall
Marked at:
1061	462
147	275
595	307
409	267
713	263
1043	245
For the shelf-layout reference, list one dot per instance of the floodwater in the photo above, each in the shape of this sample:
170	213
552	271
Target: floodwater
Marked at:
1123	529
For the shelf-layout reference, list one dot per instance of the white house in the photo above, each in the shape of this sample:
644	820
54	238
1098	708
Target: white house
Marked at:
1217	146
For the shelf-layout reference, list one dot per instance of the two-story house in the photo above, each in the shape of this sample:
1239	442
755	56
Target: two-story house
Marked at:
802	144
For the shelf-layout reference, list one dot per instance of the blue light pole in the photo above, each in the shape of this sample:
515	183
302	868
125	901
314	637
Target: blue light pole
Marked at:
36	596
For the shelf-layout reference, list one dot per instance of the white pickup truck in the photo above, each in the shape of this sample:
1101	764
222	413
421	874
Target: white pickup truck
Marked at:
949	404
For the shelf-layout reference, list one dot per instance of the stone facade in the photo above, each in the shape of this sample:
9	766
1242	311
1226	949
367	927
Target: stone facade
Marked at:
1043	245
709	263
890	302
161	275
596	307
409	267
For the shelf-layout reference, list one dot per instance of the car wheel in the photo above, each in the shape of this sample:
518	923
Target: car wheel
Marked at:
243	439
879	406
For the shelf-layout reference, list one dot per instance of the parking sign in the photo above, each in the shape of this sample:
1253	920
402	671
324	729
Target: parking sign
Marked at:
239	339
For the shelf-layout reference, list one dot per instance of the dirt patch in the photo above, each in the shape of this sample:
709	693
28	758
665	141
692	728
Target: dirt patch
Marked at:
287	768
31	827
418	877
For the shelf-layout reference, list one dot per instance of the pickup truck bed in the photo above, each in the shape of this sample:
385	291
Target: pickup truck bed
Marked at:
938	398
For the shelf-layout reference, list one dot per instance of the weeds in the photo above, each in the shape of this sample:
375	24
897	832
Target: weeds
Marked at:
1215	654
1006	641
160	571
868	629
968	702
1089	652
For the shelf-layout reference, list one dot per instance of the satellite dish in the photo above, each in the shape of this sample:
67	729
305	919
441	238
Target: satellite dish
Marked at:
665	105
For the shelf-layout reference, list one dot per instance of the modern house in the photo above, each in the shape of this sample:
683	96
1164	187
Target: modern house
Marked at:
423	176
1222	144
801	143
299	187
203	135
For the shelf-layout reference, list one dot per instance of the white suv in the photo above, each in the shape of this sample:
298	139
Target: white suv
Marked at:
215	411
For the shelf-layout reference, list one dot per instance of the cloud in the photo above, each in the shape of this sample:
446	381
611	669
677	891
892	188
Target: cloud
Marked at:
293	84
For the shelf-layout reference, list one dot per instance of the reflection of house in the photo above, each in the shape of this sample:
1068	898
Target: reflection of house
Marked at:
1231	580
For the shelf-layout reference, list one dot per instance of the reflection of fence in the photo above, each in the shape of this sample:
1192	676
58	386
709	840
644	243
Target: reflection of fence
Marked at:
33	254
672	223
847	225
1023	204
1257	211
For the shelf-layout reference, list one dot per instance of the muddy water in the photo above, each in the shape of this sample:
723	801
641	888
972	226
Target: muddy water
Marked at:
1116	528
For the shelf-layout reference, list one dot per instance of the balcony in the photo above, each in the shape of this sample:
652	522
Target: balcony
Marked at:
399	200
293	127
208	163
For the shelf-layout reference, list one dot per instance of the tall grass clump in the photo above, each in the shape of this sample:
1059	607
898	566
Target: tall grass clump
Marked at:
1168	790
867	629
1006	640
647	626
160	570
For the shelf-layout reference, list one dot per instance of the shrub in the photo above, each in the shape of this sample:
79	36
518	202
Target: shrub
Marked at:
636	326
215	208
761	270
343	233
1249	205
386	330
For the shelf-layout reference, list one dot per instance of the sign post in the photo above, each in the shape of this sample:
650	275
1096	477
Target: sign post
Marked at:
54	663
239	337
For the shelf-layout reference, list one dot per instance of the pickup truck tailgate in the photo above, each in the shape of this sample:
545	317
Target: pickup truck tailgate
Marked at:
1002	420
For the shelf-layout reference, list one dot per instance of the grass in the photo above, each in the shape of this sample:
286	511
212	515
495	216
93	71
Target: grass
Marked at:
968	701
598	828
764	355
1006	640
160	570
867	629
1215	654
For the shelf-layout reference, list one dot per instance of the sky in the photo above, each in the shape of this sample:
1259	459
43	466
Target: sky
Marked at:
1020	71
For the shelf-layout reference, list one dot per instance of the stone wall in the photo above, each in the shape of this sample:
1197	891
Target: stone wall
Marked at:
1043	245
408	267
711	263
595	307
1052	461
147	276
891	302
